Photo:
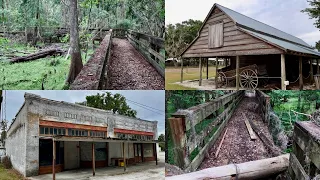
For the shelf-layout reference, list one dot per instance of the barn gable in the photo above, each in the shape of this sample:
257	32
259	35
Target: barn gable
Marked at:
234	41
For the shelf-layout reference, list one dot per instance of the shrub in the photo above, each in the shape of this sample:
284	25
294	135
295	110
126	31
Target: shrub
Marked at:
54	62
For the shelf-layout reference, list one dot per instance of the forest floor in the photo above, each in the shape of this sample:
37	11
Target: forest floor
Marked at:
237	146
29	75
173	75
128	69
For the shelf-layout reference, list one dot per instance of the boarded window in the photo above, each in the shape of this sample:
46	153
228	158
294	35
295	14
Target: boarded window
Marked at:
216	35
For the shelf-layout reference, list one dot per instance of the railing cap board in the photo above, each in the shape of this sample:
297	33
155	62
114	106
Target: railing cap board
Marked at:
152	39
310	128
90	75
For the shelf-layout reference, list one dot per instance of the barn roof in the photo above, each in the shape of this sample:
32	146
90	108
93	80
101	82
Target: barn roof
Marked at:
263	31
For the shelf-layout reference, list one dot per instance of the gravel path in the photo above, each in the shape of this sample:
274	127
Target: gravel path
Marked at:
128	69
237	146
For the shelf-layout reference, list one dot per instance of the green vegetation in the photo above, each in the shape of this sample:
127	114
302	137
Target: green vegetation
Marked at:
209	136
194	153
8	174
29	75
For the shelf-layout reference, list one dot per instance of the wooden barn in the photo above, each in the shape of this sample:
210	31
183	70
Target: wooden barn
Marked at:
257	55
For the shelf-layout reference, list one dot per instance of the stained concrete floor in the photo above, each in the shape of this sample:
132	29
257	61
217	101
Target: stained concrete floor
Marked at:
141	171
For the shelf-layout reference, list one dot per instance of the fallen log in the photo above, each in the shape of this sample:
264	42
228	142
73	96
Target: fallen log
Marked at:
37	55
249	170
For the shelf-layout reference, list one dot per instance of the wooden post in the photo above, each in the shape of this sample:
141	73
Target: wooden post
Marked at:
300	74
311	72
93	160
181	80
200	72
237	72
53	159
155	150
283	72
124	158
216	77
318	71
207	68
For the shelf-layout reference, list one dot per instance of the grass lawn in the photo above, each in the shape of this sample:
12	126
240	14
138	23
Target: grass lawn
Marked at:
29	75
8	174
173	75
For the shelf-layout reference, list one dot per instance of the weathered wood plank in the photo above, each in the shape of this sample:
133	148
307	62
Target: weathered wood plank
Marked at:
297	169
250	130
234	53
204	44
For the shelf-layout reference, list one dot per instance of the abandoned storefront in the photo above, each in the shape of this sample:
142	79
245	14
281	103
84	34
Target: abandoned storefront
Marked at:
50	136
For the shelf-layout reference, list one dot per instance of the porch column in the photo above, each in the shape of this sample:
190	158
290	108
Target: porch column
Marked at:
300	74
200	72
216	77
181	70
93	160
207	68
53	159
155	152
311	71
318	71
124	158
237	72
283	72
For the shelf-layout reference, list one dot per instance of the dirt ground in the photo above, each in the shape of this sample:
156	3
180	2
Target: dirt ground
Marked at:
128	69
237	146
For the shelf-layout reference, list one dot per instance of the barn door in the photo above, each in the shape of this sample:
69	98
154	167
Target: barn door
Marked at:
215	35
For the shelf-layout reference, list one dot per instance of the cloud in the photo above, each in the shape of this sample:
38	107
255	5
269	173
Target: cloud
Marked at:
311	37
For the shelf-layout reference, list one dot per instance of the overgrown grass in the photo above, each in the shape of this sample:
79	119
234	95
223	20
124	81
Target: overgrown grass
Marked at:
173	75
8	174
29	75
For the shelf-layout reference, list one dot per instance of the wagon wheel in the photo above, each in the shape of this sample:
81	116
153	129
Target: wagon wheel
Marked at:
223	78
248	79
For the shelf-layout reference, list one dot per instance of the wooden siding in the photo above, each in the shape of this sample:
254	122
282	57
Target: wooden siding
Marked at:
216	35
235	42
71	125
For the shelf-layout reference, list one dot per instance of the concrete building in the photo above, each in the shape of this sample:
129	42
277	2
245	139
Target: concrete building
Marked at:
49	136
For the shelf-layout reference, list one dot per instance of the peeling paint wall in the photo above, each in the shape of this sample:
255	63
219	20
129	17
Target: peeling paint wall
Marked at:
16	141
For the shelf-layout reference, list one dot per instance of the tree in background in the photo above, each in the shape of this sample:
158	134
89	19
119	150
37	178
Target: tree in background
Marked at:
115	103
76	62
314	13
161	140
179	36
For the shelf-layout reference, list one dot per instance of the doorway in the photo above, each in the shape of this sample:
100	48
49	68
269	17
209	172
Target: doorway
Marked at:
71	158
138	153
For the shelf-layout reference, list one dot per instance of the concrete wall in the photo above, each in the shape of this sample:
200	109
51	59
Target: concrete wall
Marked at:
16	141
115	150
86	151
56	111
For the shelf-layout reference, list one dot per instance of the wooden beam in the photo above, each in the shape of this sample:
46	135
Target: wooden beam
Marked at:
200	72
259	169
207	68
216	77
237	72
156	153
283	71
249	128
93	160
318	70
124	157
311	72
218	150
300	74
53	159
181	80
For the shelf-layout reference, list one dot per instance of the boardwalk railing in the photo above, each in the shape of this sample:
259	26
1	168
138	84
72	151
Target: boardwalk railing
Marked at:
93	74
305	158
150	47
264	105
119	33
196	129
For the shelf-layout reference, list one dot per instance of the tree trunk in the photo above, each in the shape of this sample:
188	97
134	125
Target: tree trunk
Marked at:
35	33
76	62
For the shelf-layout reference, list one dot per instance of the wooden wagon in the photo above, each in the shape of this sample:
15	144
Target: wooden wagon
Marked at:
249	76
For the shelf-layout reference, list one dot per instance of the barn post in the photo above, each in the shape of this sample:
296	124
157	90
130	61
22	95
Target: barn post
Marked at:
200	71
93	160
300	74
318	71
283	71
207	68
311	71
124	158
181	70
216	76
237	72
156	153
53	159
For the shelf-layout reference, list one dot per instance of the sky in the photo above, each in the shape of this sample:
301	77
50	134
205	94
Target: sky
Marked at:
154	99
282	14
